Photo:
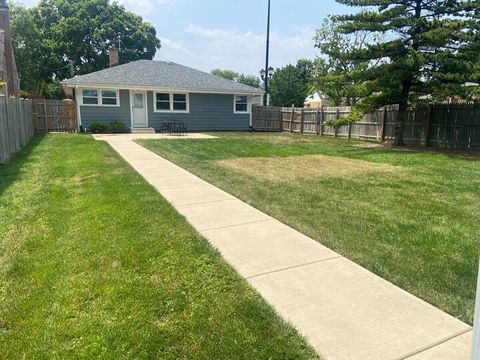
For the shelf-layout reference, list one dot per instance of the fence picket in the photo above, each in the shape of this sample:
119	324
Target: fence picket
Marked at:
450	126
292	118
61	116
16	127
20	119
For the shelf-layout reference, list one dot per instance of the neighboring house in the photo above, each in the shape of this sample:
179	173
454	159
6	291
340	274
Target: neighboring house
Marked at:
316	101
455	99
145	93
8	68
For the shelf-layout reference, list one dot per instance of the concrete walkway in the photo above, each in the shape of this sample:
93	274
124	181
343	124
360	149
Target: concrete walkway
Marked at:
345	311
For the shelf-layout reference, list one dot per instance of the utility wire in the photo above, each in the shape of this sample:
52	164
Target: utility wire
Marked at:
49	69
69	65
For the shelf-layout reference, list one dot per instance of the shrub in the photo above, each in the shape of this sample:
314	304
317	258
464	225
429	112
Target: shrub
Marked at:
113	127
117	127
98	128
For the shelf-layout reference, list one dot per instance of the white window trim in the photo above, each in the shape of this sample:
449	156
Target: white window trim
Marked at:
170	94
235	105
99	97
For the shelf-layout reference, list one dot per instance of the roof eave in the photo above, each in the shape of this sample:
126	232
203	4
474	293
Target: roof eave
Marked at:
166	89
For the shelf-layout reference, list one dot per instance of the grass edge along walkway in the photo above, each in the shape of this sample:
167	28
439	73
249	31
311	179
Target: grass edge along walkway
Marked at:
83	275
416	226
343	309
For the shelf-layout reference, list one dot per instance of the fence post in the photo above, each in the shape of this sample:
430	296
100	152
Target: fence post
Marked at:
45	115
384	125
429	125
322	115
302	120
279	117
35	116
8	133
292	116
337	117
317	121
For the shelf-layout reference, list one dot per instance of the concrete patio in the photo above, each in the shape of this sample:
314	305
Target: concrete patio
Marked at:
107	137
345	311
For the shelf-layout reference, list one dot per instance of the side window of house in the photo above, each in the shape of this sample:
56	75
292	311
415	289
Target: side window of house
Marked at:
90	97
179	102
109	97
241	104
162	102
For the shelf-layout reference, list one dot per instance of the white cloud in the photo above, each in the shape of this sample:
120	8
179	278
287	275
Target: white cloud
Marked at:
242	51
174	46
145	7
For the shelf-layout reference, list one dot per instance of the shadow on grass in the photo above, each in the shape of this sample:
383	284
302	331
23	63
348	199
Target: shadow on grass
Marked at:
12	170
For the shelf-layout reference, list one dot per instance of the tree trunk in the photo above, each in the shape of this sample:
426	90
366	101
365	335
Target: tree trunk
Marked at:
408	81
400	125
402	112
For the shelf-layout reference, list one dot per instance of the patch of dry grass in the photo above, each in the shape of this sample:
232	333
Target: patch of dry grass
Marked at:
306	167
413	220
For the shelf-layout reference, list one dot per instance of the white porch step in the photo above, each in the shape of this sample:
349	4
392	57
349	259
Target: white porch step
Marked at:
143	130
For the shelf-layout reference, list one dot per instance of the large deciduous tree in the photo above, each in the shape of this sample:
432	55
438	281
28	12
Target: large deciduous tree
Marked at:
226	74
250	80
291	84
49	35
334	69
421	57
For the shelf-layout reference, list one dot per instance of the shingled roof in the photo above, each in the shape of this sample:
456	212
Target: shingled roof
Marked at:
162	75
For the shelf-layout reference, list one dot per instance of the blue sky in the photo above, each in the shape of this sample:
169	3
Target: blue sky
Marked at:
228	34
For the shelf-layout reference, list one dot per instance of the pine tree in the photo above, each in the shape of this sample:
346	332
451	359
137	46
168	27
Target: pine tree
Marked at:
421	58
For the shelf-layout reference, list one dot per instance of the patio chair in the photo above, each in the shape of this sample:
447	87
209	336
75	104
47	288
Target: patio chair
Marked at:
166	127
179	128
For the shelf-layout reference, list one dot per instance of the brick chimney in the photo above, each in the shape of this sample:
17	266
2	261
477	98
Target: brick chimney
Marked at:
113	54
8	67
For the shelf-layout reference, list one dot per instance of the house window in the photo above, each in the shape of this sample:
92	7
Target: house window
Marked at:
171	102
109	97
90	97
241	104
162	102
179	102
100	97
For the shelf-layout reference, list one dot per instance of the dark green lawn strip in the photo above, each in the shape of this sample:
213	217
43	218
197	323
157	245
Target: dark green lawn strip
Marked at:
418	228
95	264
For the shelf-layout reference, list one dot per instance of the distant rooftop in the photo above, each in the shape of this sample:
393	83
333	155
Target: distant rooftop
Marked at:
162	75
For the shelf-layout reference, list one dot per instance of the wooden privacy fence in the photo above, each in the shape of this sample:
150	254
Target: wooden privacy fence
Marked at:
267	118
20	119
16	126
55	116
450	126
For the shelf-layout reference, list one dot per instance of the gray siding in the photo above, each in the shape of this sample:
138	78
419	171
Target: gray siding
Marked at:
106	114
207	112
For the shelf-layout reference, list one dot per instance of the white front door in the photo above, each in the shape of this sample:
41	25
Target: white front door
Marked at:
139	111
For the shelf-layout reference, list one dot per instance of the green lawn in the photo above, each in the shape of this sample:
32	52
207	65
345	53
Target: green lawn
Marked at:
410	217
94	263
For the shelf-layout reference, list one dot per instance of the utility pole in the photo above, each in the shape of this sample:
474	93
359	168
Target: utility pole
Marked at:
267	68
70	66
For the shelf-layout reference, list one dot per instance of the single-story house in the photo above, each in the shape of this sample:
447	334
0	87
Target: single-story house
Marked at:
145	93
